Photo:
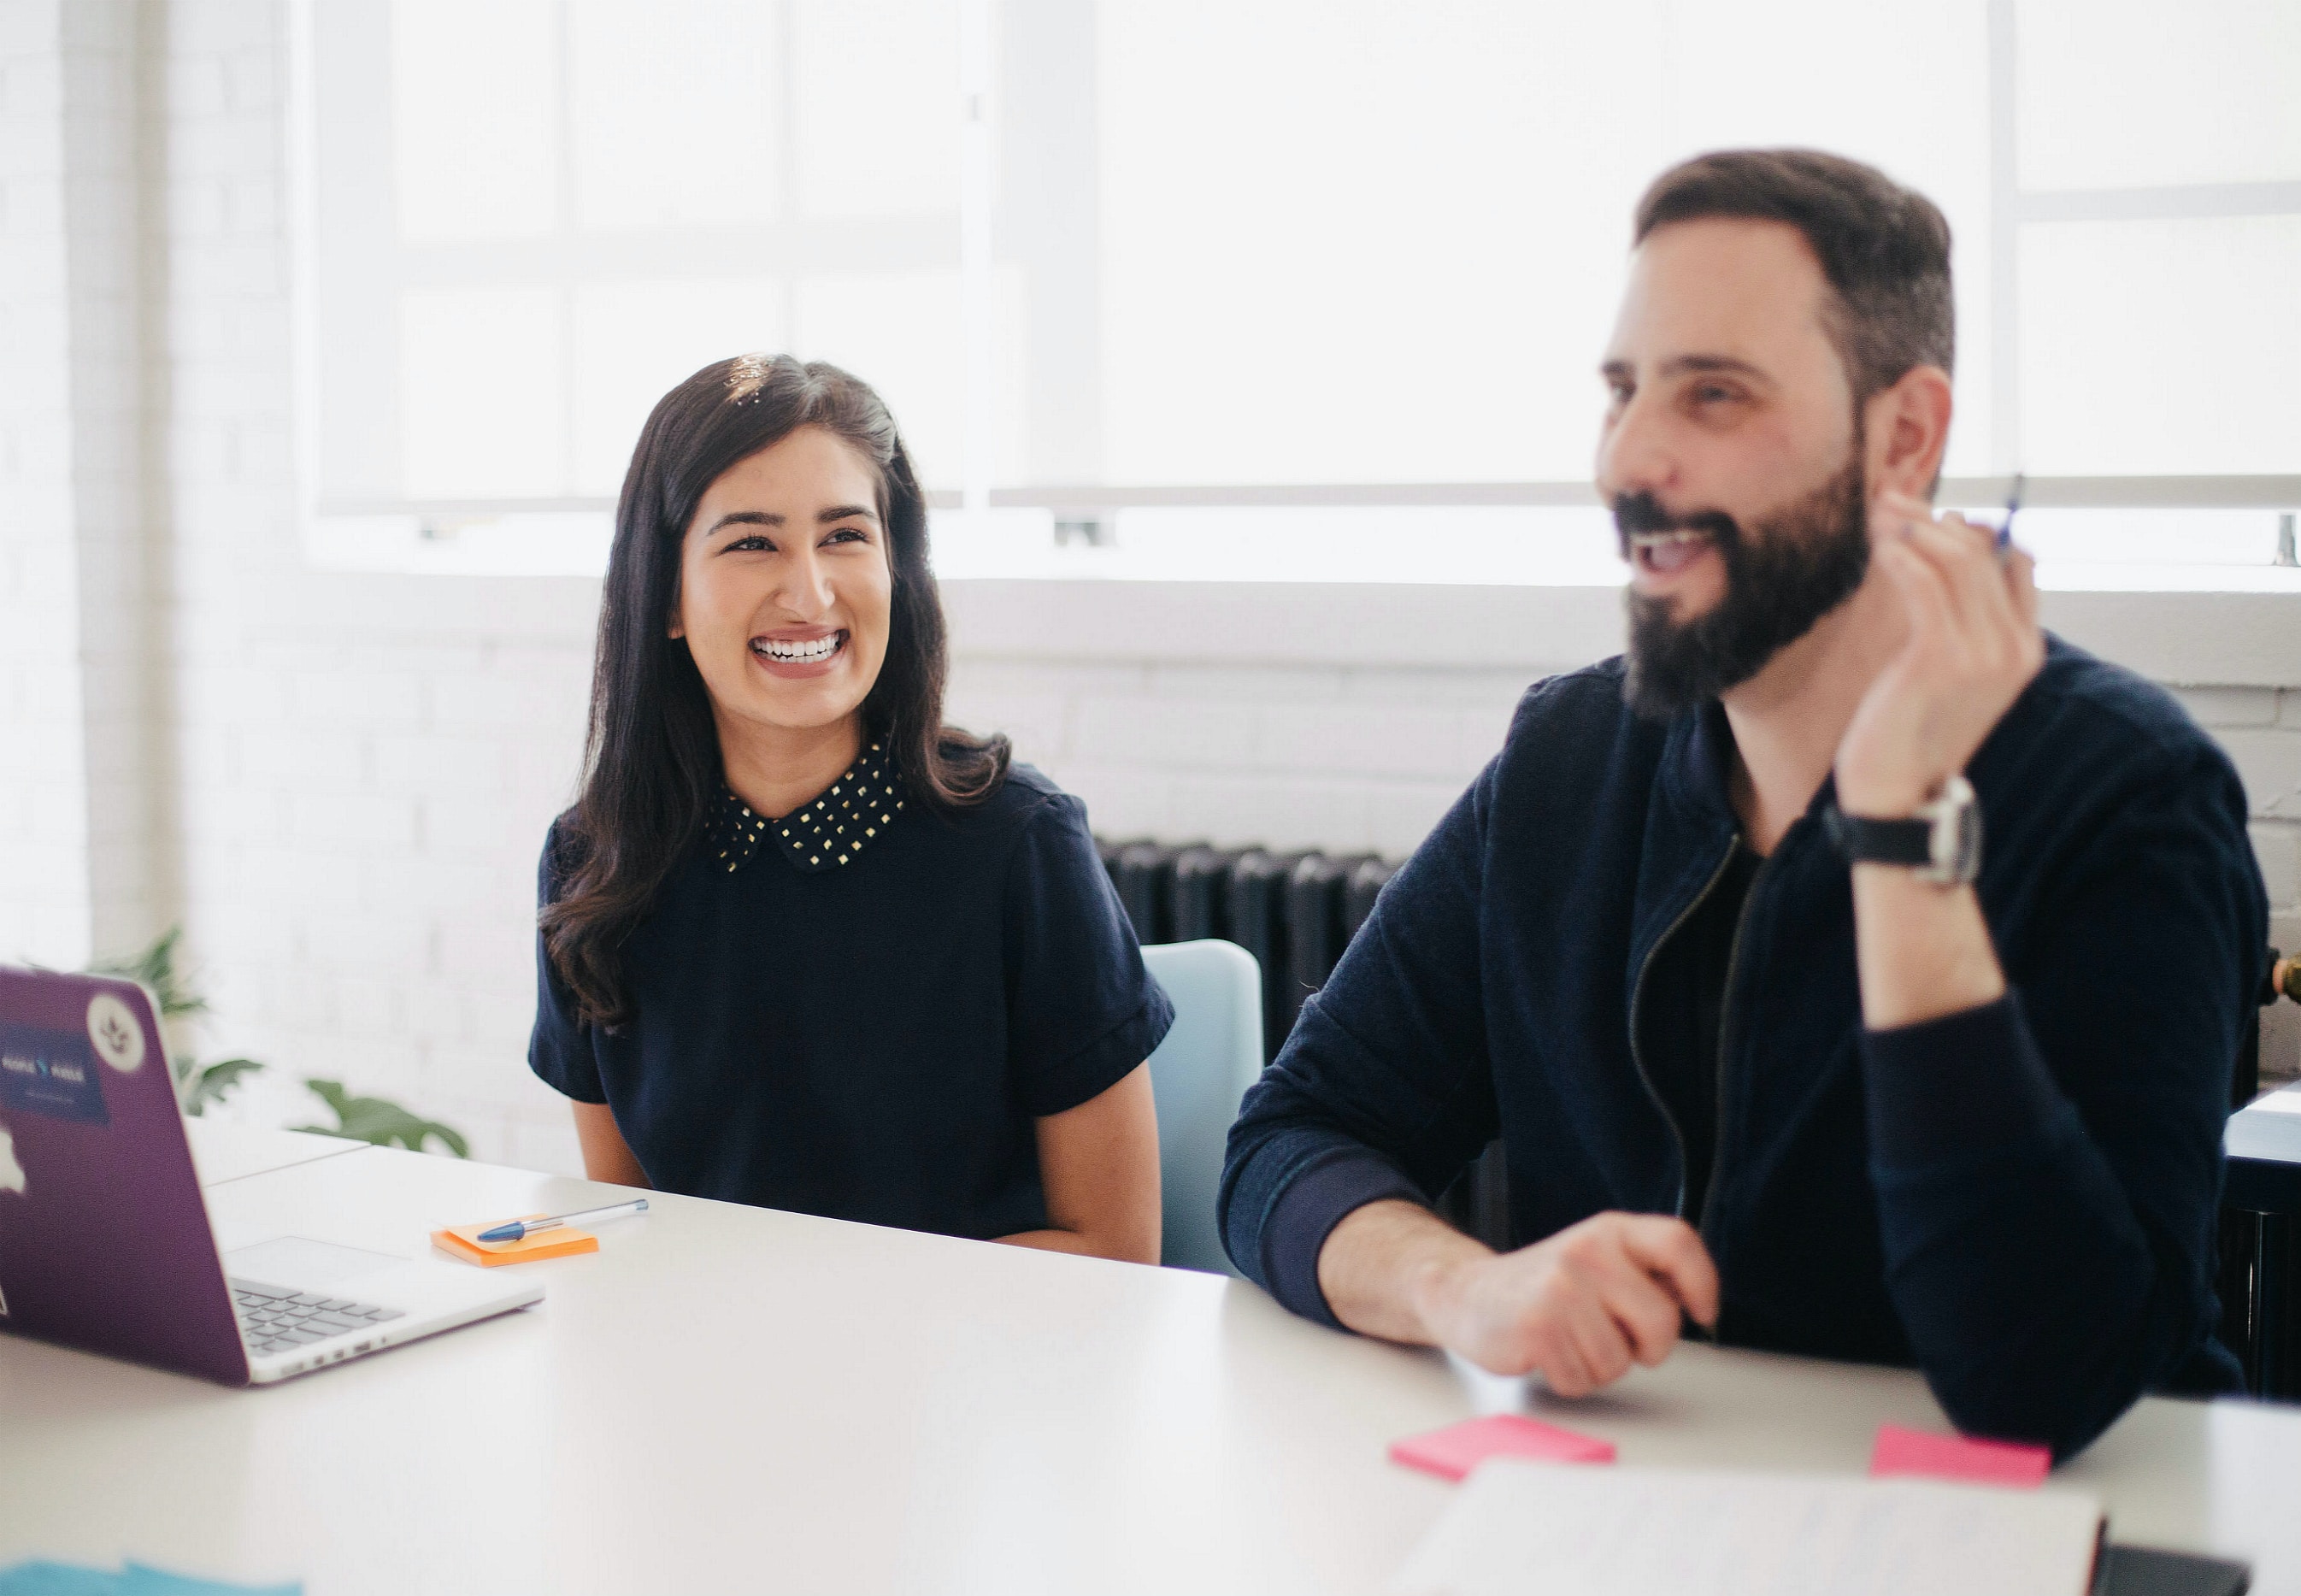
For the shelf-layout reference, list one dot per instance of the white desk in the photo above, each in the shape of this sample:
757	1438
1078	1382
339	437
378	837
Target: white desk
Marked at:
732	1398
223	1152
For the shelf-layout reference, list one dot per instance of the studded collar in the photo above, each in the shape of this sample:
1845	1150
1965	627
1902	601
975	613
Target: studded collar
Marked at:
827	831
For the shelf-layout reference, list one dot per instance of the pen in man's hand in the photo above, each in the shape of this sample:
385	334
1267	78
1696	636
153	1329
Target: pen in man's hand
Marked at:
2006	527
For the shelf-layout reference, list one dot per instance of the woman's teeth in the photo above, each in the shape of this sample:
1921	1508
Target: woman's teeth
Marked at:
809	652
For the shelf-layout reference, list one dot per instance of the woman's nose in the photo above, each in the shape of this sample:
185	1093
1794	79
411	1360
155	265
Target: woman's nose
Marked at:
806	588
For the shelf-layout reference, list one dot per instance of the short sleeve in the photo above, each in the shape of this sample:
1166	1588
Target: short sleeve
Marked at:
1081	1010
559	1049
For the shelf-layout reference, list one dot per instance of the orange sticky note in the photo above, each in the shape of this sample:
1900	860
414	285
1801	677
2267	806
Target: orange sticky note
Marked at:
1455	1451
1901	1452
464	1241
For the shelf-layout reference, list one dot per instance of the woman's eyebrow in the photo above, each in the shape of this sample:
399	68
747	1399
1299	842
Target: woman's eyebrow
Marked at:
845	512
746	518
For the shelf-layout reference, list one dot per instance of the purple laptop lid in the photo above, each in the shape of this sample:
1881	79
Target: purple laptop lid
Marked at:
105	1242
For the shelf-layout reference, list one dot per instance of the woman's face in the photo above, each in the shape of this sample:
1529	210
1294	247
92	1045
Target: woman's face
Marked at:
784	584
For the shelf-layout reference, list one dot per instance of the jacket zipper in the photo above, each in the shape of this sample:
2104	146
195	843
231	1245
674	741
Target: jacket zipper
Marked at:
1725	1040
1637	1007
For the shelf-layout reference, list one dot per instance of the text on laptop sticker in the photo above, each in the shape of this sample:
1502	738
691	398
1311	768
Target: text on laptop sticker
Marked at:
51	1073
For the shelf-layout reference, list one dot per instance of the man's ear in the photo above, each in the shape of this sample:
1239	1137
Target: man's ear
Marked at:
1907	424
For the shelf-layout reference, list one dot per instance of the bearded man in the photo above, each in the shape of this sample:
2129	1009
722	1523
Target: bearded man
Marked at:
1779	1038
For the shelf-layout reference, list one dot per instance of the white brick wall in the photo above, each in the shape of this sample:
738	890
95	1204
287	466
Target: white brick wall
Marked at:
358	770
87	864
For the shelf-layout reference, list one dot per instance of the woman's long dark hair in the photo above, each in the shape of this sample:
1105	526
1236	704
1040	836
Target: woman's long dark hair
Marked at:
651	764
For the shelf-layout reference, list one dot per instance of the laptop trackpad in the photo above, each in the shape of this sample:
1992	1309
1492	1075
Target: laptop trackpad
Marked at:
307	1264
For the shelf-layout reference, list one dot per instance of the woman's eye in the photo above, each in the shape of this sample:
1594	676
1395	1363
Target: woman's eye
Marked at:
847	534
750	545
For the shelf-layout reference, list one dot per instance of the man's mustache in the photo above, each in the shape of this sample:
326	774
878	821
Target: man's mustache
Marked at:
1643	512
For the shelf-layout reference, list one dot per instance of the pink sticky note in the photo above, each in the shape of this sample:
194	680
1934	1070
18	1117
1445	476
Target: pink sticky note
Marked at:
1458	1449
1953	1458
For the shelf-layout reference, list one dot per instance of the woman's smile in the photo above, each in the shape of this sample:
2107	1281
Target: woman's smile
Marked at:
796	652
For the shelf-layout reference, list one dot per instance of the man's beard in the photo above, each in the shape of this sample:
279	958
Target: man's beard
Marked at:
1803	563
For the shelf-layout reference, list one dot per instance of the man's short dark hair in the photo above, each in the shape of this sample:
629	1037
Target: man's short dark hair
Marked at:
1884	249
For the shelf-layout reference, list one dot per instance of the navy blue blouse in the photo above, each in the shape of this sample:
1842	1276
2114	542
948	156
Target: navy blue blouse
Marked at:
857	1009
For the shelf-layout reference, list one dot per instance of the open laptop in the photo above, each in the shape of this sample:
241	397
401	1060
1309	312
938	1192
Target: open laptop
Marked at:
104	1239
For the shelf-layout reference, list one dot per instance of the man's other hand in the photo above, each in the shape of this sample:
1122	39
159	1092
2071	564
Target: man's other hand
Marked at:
1580	1306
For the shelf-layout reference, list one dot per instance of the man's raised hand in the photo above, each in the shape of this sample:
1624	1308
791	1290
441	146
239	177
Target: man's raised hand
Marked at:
1973	645
1580	1306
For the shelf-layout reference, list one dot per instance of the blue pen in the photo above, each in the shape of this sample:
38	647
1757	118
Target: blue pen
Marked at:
521	1229
2006	527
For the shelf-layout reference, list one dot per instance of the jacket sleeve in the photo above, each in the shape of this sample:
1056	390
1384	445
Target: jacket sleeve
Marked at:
2048	1166
1383	1090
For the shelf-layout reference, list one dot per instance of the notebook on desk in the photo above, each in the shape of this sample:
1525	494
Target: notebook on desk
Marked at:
1525	1529
1515	1529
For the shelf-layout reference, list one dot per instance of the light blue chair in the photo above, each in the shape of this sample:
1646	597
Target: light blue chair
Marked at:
1199	1073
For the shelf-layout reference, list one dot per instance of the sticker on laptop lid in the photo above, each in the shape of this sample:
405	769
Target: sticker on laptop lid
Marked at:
51	1073
112	1027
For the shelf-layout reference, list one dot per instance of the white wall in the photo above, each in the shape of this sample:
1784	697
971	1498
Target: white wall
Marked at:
85	862
345	778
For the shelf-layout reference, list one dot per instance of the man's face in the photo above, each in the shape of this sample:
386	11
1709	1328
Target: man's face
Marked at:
1732	456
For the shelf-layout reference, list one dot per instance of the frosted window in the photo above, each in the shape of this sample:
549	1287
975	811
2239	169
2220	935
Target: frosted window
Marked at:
878	107
1270	241
634	342
674	113
475	93
2134	536
482	392
2117	93
1766	73
2161	347
1349	241
899	332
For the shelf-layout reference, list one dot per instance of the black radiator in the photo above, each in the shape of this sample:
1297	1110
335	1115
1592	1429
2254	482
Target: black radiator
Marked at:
1292	911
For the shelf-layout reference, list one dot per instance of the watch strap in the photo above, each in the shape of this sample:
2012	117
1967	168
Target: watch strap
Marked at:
1880	841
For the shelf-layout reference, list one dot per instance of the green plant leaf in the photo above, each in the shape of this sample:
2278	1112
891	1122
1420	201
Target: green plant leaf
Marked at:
155	968
211	1082
380	1121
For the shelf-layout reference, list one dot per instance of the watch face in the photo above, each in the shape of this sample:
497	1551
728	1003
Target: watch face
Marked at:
1968	840
1953	847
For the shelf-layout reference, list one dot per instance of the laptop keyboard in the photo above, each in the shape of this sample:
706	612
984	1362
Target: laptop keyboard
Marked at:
278	1321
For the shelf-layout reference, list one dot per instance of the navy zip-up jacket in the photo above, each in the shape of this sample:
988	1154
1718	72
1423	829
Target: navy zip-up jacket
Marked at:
2019	1199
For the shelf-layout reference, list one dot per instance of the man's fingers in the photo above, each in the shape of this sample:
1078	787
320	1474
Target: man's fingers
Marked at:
1606	1351
1644	1307
1648	1312
1558	1354
2022	582
1925	598
1966	559
1669	1249
1962	553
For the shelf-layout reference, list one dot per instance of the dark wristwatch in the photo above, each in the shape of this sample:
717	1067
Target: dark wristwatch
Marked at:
1941	843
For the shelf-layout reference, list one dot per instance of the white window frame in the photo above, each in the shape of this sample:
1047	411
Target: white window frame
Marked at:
569	534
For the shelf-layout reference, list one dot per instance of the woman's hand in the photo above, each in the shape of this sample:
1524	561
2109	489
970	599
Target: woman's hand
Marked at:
1099	1163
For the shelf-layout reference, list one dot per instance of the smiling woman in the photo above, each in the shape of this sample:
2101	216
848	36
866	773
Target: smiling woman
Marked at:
802	945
